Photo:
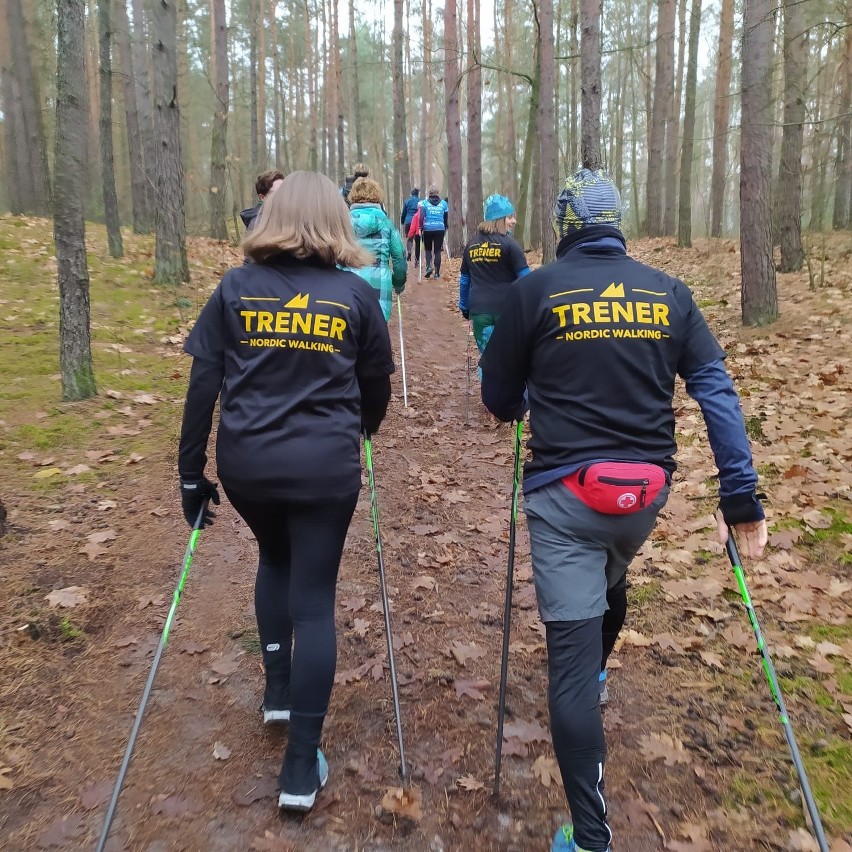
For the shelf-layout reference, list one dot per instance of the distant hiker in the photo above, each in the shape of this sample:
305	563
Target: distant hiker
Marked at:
298	353
433	227
377	234
596	339
264	184
491	262
358	170
414	235
409	209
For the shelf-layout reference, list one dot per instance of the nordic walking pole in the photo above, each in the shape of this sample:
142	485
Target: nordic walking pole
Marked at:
420	263
775	689
507	609
467	366
187	561
402	351
374	512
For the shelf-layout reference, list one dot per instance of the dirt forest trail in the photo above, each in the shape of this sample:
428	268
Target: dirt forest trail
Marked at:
694	750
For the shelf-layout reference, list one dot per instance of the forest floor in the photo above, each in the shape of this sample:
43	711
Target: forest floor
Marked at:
697	759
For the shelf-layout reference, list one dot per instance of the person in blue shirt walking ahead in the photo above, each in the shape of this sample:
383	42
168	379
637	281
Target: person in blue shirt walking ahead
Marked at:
409	208
491	262
434	213
595	340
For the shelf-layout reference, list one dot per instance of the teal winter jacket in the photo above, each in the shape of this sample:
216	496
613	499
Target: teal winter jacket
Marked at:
376	233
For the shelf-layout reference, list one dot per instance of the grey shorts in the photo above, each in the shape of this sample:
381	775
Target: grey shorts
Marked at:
578	553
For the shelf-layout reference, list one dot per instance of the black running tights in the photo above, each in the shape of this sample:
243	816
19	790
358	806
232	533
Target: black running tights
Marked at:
300	547
433	244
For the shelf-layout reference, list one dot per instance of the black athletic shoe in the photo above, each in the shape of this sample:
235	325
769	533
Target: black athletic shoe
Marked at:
305	801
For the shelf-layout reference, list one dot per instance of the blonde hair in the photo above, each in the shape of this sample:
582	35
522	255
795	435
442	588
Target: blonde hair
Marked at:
307	218
366	191
495	226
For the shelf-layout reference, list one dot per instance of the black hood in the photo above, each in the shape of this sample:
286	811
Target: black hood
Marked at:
249	215
434	199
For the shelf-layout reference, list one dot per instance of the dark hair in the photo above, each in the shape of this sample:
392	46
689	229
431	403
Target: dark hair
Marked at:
264	182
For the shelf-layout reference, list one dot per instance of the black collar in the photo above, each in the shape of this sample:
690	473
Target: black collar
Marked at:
588	234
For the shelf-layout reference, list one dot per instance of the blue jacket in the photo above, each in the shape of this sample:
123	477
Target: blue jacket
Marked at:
409	208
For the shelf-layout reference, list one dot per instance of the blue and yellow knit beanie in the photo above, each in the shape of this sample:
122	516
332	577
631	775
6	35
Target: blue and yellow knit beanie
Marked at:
589	198
497	207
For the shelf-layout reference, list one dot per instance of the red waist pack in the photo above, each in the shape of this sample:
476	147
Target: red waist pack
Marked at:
617	488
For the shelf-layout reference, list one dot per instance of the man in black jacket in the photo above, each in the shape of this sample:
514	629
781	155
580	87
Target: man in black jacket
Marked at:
594	341
264	184
358	170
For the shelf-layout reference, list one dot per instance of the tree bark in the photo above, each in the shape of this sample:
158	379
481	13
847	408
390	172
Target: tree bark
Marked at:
33	156
546	123
788	198
69	229
455	236
663	82
529	146
670	184
684	225
262	148
759	293
401	170
254	25
146	117
511	135
356	86
842	214
590	85
113	222
338	92
219	135
721	118
312	90
474	121
171	266
14	166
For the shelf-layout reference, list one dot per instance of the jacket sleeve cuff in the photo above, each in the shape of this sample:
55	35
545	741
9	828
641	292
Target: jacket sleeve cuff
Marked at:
742	508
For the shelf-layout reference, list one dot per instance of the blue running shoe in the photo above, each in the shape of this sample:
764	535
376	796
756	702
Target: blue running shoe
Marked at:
305	801
563	840
604	697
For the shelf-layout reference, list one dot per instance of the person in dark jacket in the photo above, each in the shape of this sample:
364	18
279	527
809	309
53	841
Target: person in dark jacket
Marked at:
298	354
434	214
359	170
491	262
264	184
594	340
409	208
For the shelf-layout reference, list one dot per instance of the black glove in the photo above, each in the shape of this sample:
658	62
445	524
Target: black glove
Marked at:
465	313
742	508
193	493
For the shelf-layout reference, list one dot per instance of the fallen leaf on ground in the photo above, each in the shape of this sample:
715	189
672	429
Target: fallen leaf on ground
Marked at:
360	626
829	649
404	803
546	770
468	782
106	504
711	660
77	469
150	600
6	783
471	688
101	536
69	597
525	732
125	641
47	473
663	747
272	843
58	524
190	647
174	805
225	666
353	604
60	831
463	652
93	550
801	840
134	458
424	581
254	789
632	637
221	751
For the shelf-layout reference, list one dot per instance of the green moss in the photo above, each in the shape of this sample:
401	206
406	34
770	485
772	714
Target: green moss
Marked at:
640	595
68	630
830	773
839	526
837	633
754	428
808	688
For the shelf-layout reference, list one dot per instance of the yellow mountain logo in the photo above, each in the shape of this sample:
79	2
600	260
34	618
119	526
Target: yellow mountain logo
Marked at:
614	291
300	301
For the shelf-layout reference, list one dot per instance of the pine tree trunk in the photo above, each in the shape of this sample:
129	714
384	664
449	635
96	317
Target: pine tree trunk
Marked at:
142	78
276	86
511	134
219	135
254	25
455	236
338	94
590	85
402	172
356	87
529	146
842	214
759	293
546	123
131	118
262	149
310	55
33	155
425	99
684	225
16	174
113	223
474	121
721	118
788	198
69	229
171	265
663	82
673	139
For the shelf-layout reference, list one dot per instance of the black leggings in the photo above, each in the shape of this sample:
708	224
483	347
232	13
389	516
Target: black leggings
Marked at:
433	243
300	545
